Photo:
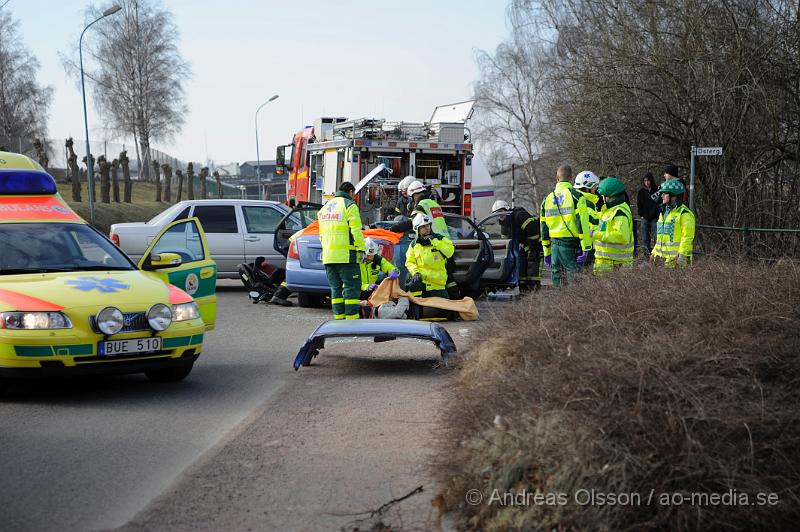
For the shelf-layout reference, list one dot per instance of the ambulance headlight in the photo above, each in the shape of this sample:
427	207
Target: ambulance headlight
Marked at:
110	320
185	311
159	317
34	321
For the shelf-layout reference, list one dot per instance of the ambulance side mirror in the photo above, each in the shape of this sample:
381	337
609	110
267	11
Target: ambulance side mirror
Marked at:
162	260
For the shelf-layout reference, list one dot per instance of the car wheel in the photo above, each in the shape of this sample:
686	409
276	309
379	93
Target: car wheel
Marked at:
174	374
4	386
309	300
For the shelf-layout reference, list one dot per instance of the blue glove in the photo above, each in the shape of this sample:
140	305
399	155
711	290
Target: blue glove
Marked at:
591	232
582	258
416	278
394	274
548	261
372	287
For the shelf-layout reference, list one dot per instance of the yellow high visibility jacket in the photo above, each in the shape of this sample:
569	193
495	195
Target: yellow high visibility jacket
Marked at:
675	234
589	216
560	217
434	211
340	230
430	261
370	271
613	239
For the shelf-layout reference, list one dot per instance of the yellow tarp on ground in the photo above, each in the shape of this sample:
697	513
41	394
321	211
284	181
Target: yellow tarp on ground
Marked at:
390	290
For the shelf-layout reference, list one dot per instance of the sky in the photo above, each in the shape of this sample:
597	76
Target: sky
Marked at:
394	60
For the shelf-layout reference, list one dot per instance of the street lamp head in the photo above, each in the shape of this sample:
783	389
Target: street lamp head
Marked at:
111	10
273	98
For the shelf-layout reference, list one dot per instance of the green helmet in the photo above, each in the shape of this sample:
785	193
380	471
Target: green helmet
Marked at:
611	186
672	186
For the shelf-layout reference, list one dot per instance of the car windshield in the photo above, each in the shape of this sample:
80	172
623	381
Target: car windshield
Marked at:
164	215
54	247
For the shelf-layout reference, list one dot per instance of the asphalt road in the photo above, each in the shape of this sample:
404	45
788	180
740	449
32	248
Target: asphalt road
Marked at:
89	454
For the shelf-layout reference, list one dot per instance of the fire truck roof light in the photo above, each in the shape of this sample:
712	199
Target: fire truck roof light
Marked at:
26	182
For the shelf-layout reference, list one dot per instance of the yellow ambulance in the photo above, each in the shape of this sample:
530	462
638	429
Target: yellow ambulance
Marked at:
72	303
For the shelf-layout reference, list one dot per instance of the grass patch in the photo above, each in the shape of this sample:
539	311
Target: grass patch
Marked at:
142	208
650	381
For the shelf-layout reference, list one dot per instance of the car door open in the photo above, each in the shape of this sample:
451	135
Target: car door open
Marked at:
473	254
195	272
298	218
503	270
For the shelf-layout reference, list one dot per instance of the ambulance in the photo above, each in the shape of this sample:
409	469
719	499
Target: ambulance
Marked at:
72	303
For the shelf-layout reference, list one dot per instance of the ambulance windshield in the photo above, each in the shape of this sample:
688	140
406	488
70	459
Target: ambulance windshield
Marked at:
56	247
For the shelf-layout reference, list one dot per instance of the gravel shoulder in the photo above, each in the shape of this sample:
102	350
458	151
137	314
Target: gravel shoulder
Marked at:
340	439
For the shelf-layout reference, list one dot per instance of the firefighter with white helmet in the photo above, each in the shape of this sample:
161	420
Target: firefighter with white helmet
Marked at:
519	224
372	266
403	207
586	183
426	259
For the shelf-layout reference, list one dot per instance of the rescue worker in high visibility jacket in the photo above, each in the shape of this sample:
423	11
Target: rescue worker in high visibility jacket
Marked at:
518	223
586	183
424	203
404	202
372	266
426	260
342	245
613	237
565	239
675	229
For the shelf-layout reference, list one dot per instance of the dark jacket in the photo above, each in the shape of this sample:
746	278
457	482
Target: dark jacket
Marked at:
647	204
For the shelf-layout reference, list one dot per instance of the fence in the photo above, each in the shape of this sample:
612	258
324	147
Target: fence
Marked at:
747	242
57	153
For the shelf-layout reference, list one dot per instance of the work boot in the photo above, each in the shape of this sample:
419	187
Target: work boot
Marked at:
280	301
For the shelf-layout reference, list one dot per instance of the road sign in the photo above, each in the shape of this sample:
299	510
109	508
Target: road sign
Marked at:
708	151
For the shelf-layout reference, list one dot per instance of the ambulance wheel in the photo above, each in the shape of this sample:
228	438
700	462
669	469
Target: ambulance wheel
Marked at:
309	300
174	374
4	386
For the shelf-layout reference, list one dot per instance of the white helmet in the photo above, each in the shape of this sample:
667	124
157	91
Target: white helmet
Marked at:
419	220
415	188
586	179
371	247
403	184
500	205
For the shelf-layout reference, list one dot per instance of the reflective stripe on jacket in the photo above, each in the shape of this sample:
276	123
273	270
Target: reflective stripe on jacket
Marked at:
560	217
675	234
613	240
430	261
340	230
434	210
370	271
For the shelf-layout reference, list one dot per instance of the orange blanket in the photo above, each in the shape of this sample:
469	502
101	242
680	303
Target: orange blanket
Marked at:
379	234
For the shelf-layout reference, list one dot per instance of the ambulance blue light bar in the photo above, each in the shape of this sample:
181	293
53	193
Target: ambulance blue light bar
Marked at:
26	182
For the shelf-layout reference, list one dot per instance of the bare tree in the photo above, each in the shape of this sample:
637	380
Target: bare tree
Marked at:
511	99
179	174
136	73
115	180
220	193
105	182
24	104
73	170
203	187
190	181
124	163
157	178
167	169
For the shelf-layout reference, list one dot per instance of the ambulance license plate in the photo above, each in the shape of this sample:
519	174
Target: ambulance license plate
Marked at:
130	347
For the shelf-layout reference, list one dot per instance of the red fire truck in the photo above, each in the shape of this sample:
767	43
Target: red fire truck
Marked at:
335	149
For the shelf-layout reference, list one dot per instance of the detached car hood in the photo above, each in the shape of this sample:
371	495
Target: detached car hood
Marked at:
380	330
80	289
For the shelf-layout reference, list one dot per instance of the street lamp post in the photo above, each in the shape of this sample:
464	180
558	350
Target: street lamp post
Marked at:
89	159
258	155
